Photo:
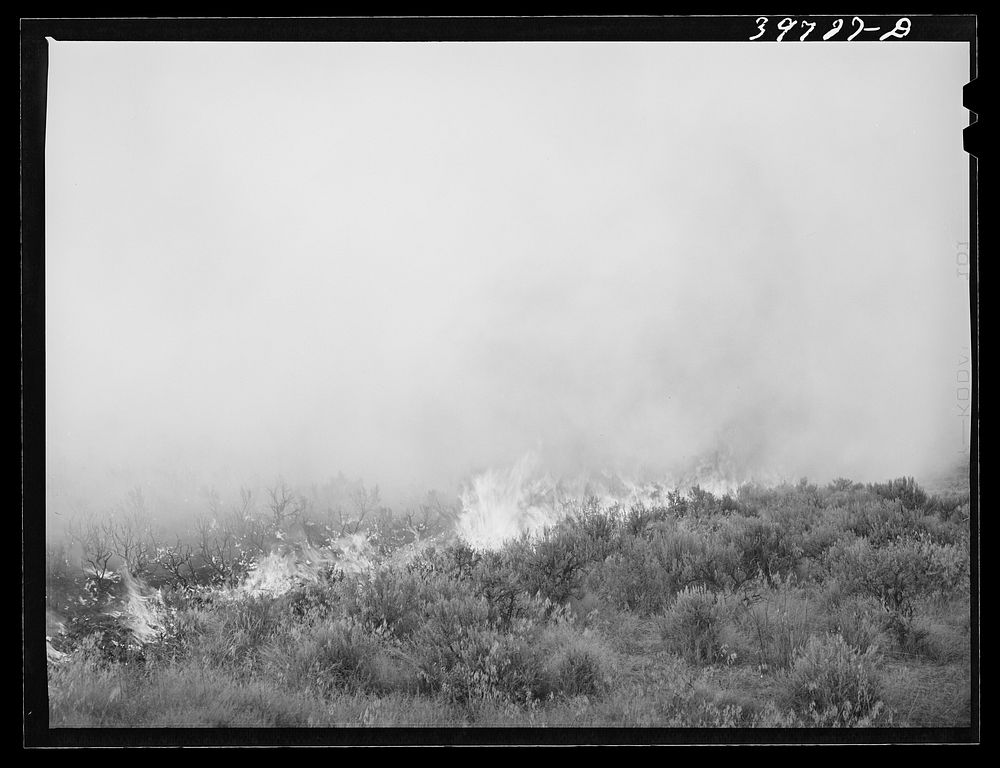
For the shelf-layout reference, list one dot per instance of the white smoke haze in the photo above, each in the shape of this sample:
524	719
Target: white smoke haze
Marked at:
415	264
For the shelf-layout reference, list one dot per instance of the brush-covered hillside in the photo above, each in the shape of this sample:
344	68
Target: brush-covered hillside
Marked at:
795	605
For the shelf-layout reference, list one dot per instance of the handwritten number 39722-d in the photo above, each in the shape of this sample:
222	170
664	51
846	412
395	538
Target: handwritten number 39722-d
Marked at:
900	30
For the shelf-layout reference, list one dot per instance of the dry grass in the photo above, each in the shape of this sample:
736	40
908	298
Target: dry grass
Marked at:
191	697
924	694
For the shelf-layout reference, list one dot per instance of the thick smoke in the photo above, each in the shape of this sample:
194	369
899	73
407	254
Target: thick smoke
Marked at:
411	263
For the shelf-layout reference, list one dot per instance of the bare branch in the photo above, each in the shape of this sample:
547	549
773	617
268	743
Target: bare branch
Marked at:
284	504
176	561
95	545
130	537
364	502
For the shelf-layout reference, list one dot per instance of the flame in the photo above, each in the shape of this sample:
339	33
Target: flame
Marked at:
503	504
142	612
280	571
275	574
354	554
53	654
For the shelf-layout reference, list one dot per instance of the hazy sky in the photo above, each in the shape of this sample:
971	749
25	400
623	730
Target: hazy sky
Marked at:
410	261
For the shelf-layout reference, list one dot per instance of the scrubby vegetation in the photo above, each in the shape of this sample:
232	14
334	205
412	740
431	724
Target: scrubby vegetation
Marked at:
796	605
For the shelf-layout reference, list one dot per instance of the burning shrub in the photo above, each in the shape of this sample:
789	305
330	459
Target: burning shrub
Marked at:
312	602
500	505
121	627
835	684
105	639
